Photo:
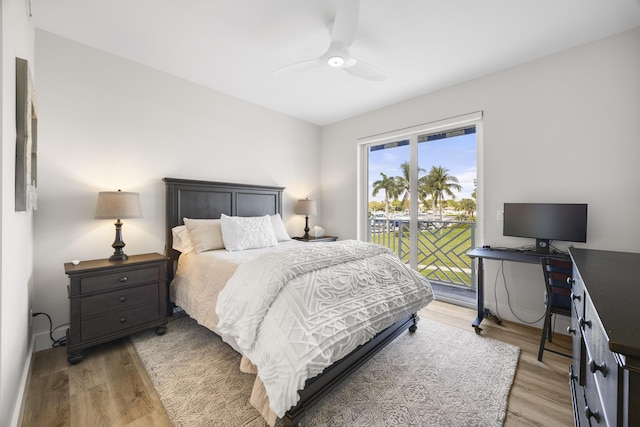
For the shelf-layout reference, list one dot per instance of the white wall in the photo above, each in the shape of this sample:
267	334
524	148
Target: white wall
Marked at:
16	228
559	129
107	123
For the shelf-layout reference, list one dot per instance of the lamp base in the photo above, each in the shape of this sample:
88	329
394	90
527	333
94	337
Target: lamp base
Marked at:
118	244
118	257
306	227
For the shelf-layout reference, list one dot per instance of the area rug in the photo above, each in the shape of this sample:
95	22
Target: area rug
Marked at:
438	376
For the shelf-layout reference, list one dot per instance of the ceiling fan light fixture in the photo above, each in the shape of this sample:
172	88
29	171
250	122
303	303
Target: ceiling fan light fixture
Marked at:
343	31
336	61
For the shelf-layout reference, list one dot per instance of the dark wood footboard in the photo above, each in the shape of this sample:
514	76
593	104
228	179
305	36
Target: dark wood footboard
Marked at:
318	387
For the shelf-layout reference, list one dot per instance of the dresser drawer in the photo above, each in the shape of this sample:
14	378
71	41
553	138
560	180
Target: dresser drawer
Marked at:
109	281
118	300
578	354
117	321
578	401
577	292
593	406
601	363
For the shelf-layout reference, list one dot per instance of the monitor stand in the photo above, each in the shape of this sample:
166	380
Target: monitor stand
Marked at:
542	246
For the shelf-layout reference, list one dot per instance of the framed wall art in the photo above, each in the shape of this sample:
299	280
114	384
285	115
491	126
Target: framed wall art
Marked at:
26	140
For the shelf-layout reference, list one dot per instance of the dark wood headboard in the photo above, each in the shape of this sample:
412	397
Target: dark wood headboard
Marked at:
206	199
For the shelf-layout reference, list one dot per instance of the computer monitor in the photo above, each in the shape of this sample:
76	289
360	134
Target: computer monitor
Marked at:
546	222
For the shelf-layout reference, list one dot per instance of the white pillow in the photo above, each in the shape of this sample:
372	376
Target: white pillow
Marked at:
205	234
240	233
278	228
181	239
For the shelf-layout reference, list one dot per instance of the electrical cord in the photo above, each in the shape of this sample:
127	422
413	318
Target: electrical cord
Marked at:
495	296
55	342
495	291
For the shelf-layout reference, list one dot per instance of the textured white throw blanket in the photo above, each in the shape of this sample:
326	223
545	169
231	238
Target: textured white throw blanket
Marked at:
293	313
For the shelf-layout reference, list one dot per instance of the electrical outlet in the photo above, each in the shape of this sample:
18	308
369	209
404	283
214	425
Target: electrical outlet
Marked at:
500	215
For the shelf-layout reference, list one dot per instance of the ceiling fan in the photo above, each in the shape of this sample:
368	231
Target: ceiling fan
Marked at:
343	31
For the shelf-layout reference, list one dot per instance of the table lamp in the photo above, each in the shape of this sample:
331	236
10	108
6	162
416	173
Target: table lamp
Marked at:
118	205
306	207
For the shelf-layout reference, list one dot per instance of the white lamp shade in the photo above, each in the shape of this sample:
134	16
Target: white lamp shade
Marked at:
118	205
306	207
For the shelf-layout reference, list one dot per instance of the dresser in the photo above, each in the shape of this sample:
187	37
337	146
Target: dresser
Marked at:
114	299
605	324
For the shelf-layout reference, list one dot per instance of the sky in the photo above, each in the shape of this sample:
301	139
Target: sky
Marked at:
457	154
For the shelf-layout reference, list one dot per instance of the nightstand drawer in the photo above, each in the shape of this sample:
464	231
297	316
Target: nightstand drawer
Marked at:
105	282
118	300
114	322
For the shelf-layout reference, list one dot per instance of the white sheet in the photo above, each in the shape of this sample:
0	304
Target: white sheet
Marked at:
200	278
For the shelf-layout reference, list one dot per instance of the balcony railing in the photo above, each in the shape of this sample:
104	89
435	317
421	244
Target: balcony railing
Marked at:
442	248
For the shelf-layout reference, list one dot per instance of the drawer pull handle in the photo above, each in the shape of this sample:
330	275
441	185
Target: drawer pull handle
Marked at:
570	281
575	297
592	414
594	367
123	279
584	323
571	330
123	319
123	298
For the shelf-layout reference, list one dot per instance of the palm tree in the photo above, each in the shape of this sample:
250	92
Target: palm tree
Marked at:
468	206
390	188
425	193
403	182
439	184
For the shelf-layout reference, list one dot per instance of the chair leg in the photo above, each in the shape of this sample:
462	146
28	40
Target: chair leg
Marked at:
545	329
550	330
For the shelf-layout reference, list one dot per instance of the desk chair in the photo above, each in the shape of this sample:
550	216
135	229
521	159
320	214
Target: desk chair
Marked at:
558	298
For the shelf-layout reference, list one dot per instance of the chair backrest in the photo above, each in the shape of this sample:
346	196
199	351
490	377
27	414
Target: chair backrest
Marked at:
556	274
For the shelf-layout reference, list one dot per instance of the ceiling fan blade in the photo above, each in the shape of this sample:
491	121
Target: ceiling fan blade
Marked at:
343	32
366	71
299	66
345	24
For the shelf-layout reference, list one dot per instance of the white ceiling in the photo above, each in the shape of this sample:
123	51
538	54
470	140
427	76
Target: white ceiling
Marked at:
234	46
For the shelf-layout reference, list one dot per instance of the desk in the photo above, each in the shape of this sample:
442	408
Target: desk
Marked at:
498	255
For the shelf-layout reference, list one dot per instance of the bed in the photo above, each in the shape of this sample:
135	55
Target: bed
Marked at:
200	200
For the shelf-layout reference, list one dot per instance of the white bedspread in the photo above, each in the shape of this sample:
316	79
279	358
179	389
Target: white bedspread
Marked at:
295	312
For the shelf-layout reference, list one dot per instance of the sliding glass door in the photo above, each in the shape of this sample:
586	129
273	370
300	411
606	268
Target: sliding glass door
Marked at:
418	196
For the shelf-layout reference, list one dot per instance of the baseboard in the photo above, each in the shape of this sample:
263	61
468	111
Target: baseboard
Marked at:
456	301
18	410
531	318
42	341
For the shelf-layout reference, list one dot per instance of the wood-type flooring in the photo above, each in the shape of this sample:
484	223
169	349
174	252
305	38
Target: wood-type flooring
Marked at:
111	388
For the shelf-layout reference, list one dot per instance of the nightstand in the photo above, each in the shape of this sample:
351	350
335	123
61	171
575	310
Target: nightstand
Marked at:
317	239
114	299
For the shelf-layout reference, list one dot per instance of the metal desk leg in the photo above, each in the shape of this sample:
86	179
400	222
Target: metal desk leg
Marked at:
480	297
482	312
